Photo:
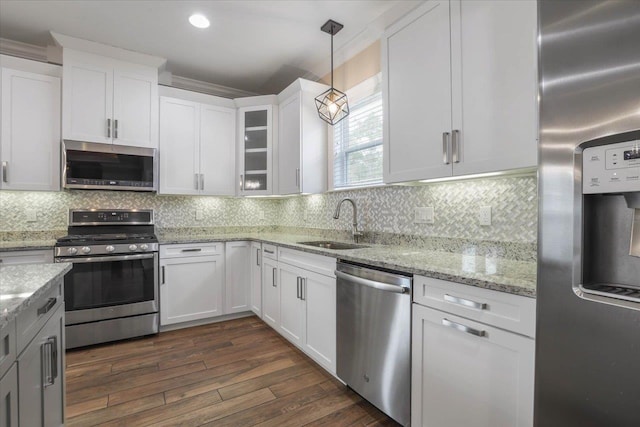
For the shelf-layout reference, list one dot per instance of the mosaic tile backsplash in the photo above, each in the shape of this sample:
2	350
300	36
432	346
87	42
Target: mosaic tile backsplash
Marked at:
382	211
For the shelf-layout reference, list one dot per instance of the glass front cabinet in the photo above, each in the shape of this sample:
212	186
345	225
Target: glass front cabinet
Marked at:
255	164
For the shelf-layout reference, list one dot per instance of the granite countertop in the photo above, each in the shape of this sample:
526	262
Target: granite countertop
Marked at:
20	285
489	272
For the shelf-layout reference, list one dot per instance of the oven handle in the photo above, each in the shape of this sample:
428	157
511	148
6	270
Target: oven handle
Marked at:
105	258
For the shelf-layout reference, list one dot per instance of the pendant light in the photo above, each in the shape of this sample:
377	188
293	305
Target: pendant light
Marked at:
332	104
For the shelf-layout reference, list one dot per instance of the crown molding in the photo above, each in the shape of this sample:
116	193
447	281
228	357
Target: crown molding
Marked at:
208	88
23	50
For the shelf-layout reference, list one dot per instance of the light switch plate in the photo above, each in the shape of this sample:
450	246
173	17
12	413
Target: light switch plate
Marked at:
423	215
485	215
199	215
261	215
31	215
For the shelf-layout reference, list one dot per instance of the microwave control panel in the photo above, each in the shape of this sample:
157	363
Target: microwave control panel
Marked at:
613	168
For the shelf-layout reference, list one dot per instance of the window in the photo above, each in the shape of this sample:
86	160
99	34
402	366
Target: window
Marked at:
357	140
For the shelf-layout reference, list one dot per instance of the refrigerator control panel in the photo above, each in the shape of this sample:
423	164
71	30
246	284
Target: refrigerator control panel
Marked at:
613	168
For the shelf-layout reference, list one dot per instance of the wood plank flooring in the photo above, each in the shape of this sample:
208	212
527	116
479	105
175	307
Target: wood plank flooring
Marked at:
234	373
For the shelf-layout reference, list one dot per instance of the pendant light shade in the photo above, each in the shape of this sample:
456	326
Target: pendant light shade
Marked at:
332	104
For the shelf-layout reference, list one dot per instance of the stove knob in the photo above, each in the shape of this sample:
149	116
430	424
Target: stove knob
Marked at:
109	248
86	249
144	246
133	247
72	251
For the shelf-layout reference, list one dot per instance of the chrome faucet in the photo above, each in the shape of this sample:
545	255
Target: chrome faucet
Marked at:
354	226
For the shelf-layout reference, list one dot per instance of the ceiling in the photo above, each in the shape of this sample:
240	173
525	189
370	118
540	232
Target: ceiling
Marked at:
254	46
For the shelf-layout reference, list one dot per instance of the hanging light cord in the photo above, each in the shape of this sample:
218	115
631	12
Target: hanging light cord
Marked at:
332	30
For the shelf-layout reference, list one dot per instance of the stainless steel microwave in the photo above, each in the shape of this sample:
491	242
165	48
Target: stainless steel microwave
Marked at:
108	167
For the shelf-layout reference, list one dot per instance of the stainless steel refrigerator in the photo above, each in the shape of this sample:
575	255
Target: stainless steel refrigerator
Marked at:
588	319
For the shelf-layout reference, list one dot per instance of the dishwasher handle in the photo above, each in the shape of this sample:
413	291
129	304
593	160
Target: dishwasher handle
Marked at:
372	283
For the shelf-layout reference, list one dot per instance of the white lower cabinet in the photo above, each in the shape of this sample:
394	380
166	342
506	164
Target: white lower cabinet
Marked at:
41	375
270	292
191	282
256	278
9	398
237	277
308	304
467	373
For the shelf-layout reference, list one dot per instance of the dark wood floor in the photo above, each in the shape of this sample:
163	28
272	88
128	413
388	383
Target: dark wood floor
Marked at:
235	373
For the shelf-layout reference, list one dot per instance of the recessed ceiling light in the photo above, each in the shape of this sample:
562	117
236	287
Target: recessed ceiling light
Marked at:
199	21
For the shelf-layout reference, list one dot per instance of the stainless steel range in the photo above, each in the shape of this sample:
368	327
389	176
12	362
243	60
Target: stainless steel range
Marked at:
111	293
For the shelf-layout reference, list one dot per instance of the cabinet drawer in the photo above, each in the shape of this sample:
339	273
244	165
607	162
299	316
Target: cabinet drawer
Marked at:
200	249
29	321
317	263
7	346
269	251
511	312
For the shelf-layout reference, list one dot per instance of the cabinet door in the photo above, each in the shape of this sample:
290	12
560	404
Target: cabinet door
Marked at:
238	277
256	278
41	376
217	150
489	376
319	295
191	288
255	150
417	92
179	146
87	97
270	293
289	145
494	84
135	108
30	148
291	303
9	398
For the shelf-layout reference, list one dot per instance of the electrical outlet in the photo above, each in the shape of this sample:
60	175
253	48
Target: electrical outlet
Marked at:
305	216
31	215
485	215
423	215
199	214
261	215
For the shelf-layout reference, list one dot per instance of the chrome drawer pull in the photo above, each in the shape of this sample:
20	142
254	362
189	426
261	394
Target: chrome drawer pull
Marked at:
463	328
273	277
192	250
465	302
268	251
48	306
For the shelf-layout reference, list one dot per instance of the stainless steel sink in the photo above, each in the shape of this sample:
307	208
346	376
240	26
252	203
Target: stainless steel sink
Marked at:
327	244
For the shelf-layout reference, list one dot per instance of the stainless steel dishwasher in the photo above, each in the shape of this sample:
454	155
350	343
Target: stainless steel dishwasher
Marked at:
374	336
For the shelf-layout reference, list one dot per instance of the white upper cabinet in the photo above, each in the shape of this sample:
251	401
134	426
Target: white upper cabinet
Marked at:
256	135
460	89
108	101
30	136
197	145
417	93
302	143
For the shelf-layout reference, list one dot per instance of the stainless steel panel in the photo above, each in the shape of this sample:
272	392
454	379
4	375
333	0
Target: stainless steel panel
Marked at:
111	312
634	247
374	341
589	88
110	330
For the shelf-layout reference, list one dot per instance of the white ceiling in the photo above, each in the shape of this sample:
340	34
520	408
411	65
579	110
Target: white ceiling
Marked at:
255	46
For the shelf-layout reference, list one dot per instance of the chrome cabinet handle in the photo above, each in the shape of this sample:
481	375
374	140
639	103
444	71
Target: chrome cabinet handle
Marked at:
303	288
463	328
268	251
298	286
298	177
464	302
48	306
5	172
115	129
196	181
273	276
108	128
192	250
445	148
257	256
455	144
202	181
163	275
49	361
242	182
372	283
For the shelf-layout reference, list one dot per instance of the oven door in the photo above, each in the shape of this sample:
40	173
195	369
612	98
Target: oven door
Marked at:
108	287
